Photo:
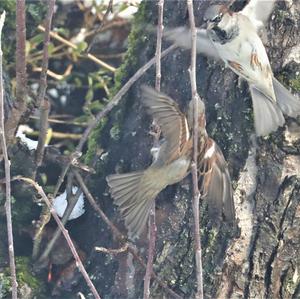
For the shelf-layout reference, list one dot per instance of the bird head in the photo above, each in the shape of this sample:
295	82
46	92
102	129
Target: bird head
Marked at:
214	14
221	23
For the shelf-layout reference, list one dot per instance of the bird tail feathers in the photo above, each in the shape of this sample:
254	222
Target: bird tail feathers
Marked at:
267	114
134	195
288	103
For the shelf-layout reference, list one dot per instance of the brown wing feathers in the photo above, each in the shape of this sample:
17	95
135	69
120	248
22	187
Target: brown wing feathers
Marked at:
135	192
215	182
171	120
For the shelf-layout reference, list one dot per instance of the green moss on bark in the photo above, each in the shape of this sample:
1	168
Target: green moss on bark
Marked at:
29	286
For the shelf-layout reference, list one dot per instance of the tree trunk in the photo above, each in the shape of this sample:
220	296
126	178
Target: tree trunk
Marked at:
262	260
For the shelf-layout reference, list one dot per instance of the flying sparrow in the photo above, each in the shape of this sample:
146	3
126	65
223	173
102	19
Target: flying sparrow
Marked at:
233	37
135	192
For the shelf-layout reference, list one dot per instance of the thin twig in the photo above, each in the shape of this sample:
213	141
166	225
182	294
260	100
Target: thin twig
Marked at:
7	177
41	192
122	249
113	102
43	103
74	157
56	76
56	135
44	113
118	235
21	77
40	224
93	203
104	20
160	28
152	224
73	46
72	201
43	76
116	99
196	193
62	122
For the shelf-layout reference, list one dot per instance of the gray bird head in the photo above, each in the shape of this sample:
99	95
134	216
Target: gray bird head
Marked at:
214	14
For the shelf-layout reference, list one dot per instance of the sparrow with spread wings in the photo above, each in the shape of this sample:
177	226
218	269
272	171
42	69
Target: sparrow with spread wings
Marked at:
233	37
135	192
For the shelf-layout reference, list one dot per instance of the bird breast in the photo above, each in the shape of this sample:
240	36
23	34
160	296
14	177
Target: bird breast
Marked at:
175	171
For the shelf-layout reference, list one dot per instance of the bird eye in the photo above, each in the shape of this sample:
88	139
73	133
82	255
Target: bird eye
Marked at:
217	19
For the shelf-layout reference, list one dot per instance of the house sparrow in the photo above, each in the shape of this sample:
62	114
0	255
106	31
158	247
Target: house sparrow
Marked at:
233	38
135	192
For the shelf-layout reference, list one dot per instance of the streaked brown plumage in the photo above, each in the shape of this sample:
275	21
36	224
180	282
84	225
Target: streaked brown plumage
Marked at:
135	192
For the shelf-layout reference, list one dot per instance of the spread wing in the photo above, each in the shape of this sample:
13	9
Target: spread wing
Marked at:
215	183
171	120
181	36
258	12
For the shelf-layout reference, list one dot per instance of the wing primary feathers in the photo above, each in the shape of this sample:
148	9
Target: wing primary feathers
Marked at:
171	120
215	184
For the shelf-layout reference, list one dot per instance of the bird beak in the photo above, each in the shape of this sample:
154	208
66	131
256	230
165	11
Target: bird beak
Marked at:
210	25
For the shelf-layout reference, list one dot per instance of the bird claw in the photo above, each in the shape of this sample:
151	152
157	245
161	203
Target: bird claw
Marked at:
155	131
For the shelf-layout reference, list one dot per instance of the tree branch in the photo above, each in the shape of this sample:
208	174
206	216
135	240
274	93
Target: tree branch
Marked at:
152	224
72	200
43	76
196	193
79	263
118	96
44	113
73	46
7	177
21	76
118	234
113	102
42	103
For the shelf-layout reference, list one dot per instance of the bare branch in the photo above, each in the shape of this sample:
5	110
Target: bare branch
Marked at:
113	102
72	200
21	76
118	234
41	192
93	203
158	44
74	156
7	177
42	103
196	193
103	23
122	249
44	113
19	107
43	77
116	99
73	46
152	224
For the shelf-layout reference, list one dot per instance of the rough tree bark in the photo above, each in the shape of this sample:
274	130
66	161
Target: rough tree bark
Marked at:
262	259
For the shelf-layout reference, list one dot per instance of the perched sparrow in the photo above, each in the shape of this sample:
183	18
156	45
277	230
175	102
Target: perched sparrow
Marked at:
135	192
233	38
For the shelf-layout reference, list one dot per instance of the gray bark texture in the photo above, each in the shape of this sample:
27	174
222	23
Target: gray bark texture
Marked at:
259	260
